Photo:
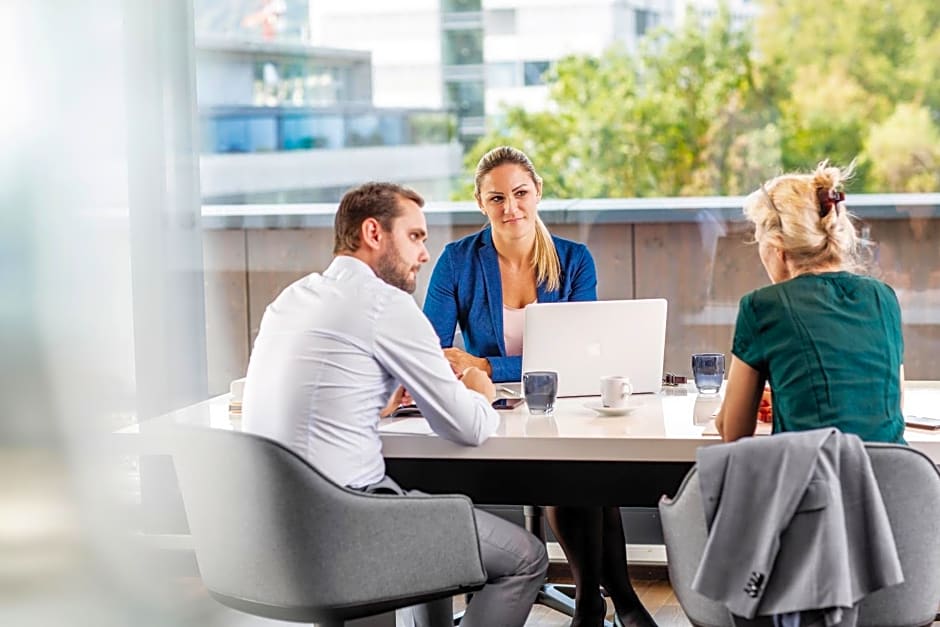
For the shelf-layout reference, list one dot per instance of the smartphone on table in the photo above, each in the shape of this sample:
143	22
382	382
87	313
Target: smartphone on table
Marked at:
922	422
408	411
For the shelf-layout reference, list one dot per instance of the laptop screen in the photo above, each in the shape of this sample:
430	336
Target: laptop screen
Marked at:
584	341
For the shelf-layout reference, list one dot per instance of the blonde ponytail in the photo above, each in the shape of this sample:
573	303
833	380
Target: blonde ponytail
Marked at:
545	258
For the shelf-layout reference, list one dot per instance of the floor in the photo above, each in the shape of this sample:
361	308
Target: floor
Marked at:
656	595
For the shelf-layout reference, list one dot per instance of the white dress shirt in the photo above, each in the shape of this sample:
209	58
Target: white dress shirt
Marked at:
330	351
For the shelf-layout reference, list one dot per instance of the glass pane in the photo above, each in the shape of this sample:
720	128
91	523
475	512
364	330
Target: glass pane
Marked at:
534	72
463	47
431	128
644	19
268	20
649	182
239	134
500	21
502	74
363	130
466	98
460	5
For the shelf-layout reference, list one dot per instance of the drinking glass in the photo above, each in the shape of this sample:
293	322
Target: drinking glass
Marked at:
540	388
708	370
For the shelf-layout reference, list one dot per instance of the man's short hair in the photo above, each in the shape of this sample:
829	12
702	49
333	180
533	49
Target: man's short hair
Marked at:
370	200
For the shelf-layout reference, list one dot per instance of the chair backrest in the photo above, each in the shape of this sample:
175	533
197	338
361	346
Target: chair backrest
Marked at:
910	486
685	534
274	537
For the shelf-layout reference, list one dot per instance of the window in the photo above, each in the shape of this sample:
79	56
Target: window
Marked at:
502	75
239	133
458	6
305	131
643	20
500	22
534	72
463	47
377	84
466	97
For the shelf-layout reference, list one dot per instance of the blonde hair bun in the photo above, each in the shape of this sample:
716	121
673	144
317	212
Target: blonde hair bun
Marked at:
805	216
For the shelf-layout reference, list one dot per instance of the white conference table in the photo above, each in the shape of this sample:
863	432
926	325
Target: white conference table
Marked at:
572	457
577	457
668	426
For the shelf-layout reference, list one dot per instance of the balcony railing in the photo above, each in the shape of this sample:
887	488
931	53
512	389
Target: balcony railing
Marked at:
271	129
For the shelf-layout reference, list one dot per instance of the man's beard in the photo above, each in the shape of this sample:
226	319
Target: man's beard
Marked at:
393	270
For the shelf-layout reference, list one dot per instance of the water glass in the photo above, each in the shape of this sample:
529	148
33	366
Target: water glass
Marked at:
540	389
708	370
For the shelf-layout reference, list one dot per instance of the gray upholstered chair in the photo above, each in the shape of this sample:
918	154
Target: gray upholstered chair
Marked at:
275	538
910	485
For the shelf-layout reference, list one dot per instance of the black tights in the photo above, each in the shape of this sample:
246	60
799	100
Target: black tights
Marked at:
593	541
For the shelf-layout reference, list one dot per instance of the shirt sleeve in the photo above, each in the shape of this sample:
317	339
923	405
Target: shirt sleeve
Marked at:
506	368
894	322
584	277
406	346
746	345
440	303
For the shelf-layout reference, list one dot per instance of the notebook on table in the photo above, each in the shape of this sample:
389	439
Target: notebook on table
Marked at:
585	341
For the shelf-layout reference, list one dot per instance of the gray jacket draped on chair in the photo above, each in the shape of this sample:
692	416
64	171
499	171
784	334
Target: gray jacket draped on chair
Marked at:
796	522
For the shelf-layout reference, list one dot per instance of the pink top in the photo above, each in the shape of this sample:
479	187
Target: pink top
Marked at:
513	326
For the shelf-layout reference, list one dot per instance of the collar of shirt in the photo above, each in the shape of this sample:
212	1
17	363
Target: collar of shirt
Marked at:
347	265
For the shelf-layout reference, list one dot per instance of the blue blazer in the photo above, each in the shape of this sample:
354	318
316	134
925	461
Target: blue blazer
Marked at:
466	289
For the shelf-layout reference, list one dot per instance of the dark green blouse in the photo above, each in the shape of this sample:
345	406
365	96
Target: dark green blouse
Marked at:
831	346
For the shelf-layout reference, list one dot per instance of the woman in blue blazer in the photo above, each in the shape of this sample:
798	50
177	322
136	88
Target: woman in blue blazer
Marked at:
467	288
483	283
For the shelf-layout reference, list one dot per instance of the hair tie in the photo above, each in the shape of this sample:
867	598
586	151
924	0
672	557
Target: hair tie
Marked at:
829	199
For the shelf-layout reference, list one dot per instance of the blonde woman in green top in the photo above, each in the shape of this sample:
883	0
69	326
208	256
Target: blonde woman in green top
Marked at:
826	338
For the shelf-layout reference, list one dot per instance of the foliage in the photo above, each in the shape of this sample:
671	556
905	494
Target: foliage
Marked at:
703	110
904	151
847	68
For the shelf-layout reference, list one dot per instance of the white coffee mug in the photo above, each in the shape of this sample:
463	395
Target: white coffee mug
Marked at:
615	391
237	390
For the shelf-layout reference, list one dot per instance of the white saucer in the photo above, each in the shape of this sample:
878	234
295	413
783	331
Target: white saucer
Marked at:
609	411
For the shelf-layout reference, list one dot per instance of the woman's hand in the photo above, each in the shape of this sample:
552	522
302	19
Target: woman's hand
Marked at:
737	417
460	360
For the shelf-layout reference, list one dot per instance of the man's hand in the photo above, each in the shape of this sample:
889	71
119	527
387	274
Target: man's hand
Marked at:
460	360
478	381
394	401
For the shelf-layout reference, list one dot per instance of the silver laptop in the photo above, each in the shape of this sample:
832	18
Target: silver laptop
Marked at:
585	341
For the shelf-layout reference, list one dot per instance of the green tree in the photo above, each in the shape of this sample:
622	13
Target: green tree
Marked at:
623	125
706	111
887	47
826	117
904	151
842	68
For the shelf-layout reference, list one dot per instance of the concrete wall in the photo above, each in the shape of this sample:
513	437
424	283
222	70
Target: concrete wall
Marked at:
701	266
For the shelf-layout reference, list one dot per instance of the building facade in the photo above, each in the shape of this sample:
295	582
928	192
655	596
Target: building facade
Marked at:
476	57
285	121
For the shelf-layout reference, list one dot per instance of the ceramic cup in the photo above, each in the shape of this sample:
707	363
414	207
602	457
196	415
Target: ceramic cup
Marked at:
615	391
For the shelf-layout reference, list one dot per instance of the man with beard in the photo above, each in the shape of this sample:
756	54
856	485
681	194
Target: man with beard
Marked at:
333	348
